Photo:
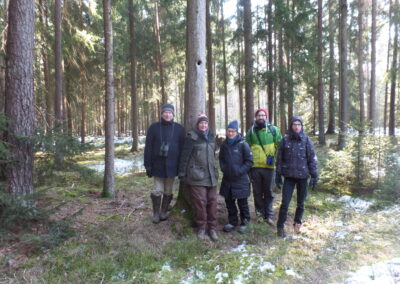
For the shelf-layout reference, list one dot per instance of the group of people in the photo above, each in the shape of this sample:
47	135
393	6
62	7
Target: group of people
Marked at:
260	158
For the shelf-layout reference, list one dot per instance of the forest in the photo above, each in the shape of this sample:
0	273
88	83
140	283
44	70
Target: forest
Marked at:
81	81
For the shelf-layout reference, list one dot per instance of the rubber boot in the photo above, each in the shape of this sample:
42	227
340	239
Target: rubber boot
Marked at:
164	207
156	200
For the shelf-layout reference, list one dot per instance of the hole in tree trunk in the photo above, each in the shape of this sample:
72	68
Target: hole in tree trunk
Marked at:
199	62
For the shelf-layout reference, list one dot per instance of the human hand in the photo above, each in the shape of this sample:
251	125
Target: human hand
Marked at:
278	180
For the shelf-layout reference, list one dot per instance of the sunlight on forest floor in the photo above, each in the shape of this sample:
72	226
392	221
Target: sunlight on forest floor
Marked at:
343	238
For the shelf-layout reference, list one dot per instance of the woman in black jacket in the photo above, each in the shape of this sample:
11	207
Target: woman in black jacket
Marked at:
235	160
296	162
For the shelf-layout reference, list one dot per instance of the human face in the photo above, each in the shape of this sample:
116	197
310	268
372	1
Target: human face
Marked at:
296	126
167	115
261	117
203	125
231	133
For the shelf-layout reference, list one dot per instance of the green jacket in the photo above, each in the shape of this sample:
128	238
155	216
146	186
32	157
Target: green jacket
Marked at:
269	142
197	164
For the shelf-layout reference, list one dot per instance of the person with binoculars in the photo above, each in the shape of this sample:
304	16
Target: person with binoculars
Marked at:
164	142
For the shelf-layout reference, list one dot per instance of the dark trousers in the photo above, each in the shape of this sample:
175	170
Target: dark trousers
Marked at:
261	180
233	211
205	205
287	193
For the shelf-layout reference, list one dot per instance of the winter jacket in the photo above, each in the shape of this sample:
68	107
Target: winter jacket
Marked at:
197	163
235	161
269	142
174	134
296	157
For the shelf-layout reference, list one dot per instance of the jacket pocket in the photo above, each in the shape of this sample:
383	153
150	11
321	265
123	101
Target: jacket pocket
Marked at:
196	173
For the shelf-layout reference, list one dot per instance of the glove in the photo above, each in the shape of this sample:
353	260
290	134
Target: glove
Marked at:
148	173
278	180
313	182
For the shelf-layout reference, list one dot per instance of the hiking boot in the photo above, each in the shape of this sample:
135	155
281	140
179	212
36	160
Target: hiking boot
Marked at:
281	233
201	234
228	228
242	229
164	207
213	235
270	222
296	228
156	200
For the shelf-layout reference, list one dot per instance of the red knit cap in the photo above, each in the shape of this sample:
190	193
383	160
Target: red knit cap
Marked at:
261	109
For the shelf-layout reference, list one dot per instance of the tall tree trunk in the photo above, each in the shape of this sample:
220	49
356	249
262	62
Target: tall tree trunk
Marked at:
372	94
248	64
134	99
387	68
360	57
158	52
392	114
321	113
108	188
240	85
270	80
19	101
83	110
195	93
343	92
3	40
282	111
332	74
46	71
58	99
224	62
68	95
210	76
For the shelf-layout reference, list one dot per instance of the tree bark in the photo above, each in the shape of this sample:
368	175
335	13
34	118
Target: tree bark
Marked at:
210	76
134	99
360	58
392	111
372	94
195	93
387	68
19	100
344	99
83	110
158	52
270	80
224	63
332	75
248	57
58	98
321	113
108	188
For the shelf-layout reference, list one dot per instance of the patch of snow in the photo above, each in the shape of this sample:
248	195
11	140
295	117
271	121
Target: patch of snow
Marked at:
217	268
393	209
166	267
220	276
267	266
330	199
121	166
358	238
299	237
341	235
291	272
240	248
381	272
336	223
239	279
355	204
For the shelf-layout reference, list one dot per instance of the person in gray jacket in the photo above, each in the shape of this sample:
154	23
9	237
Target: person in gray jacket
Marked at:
296	162
198	168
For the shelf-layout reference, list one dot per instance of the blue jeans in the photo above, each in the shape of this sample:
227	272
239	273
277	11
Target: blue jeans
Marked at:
287	193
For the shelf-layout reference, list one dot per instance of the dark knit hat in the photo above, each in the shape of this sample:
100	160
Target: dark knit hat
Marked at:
234	125
167	107
202	117
261	109
296	118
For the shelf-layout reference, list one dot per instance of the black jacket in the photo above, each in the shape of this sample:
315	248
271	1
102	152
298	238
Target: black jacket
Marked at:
296	157
235	161
197	164
163	167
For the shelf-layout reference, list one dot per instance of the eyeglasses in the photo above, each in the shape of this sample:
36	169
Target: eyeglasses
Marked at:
296	124
261	115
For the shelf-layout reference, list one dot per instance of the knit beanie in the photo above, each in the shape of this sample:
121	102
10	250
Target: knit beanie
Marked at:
234	125
167	107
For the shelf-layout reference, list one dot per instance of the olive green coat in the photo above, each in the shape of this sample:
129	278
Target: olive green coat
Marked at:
197	164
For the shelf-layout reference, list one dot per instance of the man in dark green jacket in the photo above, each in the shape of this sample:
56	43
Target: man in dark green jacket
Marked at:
264	140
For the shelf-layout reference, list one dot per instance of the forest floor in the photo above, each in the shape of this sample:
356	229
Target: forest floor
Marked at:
344	239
